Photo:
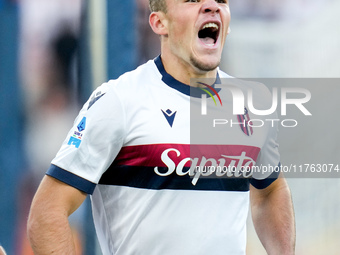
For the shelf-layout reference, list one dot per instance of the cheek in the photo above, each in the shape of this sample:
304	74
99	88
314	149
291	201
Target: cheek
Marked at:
180	34
182	26
226	15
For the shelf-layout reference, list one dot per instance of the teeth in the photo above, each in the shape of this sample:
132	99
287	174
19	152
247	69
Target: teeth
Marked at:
210	25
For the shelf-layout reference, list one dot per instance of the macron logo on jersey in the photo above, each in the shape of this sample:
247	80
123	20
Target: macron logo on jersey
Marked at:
95	98
170	116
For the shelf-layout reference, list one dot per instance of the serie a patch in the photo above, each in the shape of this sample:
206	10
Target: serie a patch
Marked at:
76	137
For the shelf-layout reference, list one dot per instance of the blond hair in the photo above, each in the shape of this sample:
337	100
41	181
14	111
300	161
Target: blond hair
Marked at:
158	5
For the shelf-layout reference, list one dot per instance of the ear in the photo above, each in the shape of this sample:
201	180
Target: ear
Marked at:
158	23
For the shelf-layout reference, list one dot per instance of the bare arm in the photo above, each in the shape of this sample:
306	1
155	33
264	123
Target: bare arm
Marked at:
273	217
2	251
48	227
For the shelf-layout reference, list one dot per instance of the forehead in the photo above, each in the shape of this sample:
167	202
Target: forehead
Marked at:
172	2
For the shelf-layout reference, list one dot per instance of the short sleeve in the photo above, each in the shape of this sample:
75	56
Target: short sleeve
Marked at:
267	167
93	142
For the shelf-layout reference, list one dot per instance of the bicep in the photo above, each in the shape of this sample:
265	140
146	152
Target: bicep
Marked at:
48	227
258	195
54	195
273	217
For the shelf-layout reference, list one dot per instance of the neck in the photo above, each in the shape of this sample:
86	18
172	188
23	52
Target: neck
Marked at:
183	71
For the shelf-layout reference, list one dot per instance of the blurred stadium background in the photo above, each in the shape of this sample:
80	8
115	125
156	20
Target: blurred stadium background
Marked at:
54	53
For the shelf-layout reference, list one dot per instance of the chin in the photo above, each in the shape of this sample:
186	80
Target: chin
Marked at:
205	64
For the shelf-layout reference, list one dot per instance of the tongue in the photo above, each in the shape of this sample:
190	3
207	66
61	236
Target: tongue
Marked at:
208	40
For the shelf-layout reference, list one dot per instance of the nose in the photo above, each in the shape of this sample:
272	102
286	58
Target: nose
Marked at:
210	6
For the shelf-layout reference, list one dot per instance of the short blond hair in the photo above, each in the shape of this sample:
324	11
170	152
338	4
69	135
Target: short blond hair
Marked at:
158	5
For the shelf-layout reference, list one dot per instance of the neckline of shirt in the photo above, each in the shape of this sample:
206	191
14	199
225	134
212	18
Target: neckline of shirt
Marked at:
177	85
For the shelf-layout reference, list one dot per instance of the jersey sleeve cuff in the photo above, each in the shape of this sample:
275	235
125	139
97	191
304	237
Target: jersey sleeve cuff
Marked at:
264	183
71	179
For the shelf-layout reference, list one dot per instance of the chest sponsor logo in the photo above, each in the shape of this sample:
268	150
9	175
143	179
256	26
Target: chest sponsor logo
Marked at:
224	166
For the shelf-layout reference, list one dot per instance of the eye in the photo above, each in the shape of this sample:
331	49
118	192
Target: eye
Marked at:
222	1
192	1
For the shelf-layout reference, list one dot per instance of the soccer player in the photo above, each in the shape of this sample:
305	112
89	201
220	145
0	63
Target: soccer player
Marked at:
130	147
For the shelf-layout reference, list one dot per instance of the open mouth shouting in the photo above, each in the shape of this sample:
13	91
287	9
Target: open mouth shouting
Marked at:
209	33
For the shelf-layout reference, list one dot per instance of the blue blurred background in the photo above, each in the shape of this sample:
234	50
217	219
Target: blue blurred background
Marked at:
54	53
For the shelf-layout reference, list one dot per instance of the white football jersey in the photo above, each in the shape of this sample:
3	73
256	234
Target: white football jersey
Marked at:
130	148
